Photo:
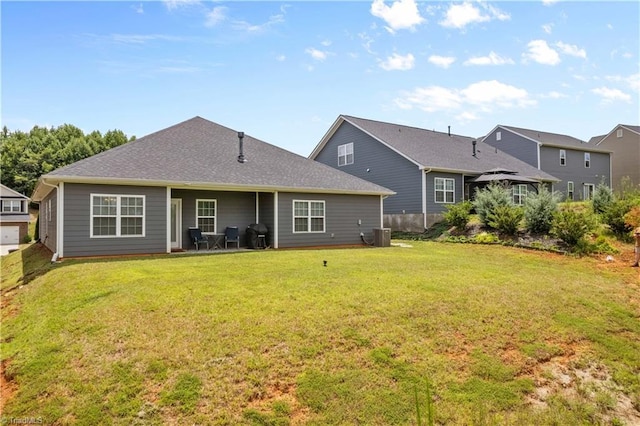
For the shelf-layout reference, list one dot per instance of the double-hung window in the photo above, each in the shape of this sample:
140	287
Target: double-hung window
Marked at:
117	215
308	216
206	216
444	190
563	157
570	189
587	160
519	194
345	154
11	206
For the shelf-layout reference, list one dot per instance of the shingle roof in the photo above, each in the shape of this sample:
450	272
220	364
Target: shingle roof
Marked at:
634	128
203	153
554	139
6	192
439	151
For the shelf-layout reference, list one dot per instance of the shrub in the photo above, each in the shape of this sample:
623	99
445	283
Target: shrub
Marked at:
458	214
602	198
539	209
26	239
572	226
614	216
486	238
506	219
632	218
489	198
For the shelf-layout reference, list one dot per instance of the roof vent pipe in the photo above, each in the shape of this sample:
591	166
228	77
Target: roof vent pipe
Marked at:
449	131
473	143
241	158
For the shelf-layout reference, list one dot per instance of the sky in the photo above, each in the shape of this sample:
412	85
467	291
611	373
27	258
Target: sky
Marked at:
284	71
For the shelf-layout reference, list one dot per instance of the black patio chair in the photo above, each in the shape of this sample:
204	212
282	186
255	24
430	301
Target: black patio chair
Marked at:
231	235
197	238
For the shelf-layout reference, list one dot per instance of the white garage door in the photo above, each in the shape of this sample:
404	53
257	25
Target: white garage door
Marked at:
9	235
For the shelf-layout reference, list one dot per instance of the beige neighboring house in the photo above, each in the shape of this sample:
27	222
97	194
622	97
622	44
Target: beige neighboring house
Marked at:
14	218
624	143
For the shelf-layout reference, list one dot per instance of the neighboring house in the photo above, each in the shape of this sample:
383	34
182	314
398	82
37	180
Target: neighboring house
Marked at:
428	170
580	166
624	143
14	217
142	197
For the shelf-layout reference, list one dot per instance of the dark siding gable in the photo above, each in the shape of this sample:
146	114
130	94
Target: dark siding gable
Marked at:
517	146
377	163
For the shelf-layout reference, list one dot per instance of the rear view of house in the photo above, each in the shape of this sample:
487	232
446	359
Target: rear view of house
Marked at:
580	166
142	197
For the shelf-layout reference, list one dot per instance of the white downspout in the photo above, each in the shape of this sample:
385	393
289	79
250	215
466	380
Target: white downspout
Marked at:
169	222
424	197
58	252
275	220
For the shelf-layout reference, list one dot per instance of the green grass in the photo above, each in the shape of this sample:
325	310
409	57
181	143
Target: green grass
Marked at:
274	338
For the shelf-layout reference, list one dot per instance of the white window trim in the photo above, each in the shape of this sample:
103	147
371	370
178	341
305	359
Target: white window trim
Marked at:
563	157
516	191
11	204
309	217
498	136
215	216
435	190
587	160
118	215
343	152
570	190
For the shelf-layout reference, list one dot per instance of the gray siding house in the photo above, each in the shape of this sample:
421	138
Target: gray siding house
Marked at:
624	143
14	217
428	170
578	165
142	197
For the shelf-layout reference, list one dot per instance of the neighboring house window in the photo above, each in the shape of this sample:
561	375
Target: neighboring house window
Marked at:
588	191
570	190
519	194
206	216
445	190
11	206
308	216
116	215
587	160
345	154
563	157
498	136
619	133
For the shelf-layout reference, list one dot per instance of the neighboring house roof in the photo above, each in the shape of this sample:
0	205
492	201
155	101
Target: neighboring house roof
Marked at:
596	139
6	192
201	154
599	139
429	149
551	139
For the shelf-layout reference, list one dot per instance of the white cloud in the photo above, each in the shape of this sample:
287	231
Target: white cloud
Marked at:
461	15
138	9
281	58
326	43
401	15
547	28
554	95
215	16
466	117
492	59
609	95
571	49
143	38
633	81
540	52
316	54
549	2
442	61
398	62
258	28
175	4
483	96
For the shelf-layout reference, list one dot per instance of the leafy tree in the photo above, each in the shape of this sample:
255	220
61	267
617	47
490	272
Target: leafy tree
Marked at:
24	157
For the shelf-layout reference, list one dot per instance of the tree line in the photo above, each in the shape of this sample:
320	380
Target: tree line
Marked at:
25	156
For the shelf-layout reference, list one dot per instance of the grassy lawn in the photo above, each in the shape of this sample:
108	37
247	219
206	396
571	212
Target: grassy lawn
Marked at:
464	334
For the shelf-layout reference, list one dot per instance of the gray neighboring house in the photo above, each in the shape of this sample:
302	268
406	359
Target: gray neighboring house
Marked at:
579	165
624	143
141	197
428	170
14	217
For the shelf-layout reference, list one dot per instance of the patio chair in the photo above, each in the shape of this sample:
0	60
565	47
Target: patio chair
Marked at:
231	235
197	238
